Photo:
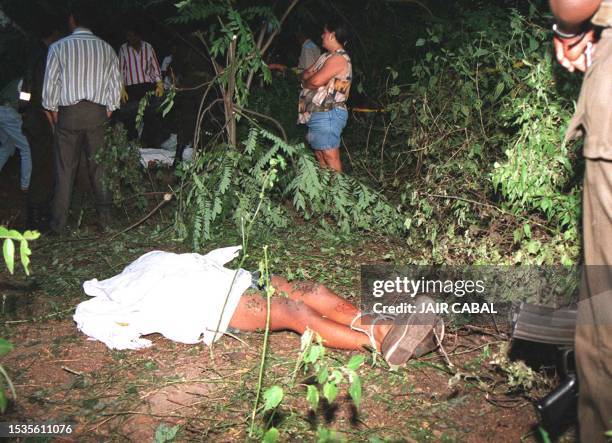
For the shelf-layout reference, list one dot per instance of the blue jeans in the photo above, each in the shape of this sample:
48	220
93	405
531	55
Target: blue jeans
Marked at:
11	137
325	128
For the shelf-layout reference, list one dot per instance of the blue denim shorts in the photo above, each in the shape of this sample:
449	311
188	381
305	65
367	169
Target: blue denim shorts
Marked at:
325	128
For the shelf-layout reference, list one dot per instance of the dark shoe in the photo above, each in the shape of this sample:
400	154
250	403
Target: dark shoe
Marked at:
402	341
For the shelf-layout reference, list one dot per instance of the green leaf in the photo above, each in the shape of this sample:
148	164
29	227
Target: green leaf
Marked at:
151	365
527	229
31	235
273	396
323	375
544	435
355	391
165	433
8	250
313	397
325	435
330	392
420	42
314	354
13	234
355	362
25	252
5	346
498	90
271	436
336	376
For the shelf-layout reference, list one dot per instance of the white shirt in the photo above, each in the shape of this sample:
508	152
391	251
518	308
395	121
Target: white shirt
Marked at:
81	67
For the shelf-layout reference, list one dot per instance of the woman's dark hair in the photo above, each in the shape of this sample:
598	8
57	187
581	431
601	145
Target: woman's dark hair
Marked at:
340	28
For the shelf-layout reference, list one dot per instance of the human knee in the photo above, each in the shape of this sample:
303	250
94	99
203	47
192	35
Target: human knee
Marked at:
331	154
307	287
294	308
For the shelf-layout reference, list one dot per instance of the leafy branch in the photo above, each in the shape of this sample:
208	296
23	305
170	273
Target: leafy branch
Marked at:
11	236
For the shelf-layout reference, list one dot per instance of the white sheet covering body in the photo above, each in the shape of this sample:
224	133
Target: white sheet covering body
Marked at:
178	295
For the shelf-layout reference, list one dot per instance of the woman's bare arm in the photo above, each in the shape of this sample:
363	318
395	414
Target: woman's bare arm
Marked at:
332	67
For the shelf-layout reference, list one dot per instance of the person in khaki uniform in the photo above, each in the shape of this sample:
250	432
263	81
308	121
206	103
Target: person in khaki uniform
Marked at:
578	48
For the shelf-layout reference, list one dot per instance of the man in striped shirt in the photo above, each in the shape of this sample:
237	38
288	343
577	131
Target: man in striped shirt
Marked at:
139	64
81	89
141	74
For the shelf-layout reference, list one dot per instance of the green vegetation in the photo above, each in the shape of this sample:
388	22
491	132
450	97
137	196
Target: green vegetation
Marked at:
8	252
464	163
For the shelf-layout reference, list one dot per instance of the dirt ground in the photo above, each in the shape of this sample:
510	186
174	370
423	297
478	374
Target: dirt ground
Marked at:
124	395
61	376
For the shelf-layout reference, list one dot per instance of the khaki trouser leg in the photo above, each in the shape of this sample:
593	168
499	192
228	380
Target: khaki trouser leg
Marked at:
594	330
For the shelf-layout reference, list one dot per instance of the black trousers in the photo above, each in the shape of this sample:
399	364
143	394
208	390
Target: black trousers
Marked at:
152	131
79	127
39	133
187	107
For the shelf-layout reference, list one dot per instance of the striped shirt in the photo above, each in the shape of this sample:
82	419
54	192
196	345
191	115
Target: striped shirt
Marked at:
139	66
81	67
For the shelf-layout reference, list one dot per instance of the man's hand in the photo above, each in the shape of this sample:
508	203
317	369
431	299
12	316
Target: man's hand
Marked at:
571	53
124	95
159	89
50	119
52	116
109	113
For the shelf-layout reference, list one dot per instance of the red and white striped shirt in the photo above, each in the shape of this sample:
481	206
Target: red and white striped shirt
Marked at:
139	66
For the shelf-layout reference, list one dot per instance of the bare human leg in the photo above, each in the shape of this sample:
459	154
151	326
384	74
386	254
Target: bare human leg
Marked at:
328	304
289	314
332	159
320	158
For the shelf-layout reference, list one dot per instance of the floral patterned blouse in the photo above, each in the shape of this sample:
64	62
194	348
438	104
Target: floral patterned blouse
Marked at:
332	95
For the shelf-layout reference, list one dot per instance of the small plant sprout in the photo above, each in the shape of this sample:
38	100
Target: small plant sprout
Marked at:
329	375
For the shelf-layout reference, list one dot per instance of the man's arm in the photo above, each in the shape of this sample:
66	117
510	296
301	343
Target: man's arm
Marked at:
51	86
571	14
153	64
122	61
332	67
114	84
571	43
155	71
